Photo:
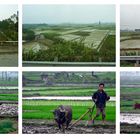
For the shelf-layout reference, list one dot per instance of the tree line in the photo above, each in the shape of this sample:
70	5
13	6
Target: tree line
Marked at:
9	28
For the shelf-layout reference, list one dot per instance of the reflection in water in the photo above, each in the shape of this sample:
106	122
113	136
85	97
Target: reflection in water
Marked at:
130	118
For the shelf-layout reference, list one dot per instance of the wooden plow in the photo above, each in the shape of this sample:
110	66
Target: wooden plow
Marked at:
89	112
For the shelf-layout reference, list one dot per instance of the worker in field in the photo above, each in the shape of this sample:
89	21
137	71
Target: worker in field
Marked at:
99	98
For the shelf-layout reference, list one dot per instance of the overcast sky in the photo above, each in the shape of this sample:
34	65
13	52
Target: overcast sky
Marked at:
132	73
68	13
130	17
7	10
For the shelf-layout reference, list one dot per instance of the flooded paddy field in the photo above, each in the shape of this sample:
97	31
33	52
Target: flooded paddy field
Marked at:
129	46
129	128
38	117
69	43
130	118
63	98
50	127
8	117
129	98
39	102
8	56
133	43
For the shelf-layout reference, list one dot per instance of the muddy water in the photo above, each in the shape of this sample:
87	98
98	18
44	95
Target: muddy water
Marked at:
34	126
8	49
130	44
9	60
62	98
30	129
130	118
8	56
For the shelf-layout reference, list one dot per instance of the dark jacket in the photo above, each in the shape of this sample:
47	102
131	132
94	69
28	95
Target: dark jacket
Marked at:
100	98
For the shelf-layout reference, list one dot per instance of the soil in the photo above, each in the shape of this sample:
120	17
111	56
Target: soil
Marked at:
127	128
130	123
50	127
8	110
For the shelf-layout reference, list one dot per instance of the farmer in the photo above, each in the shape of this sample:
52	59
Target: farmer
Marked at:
100	97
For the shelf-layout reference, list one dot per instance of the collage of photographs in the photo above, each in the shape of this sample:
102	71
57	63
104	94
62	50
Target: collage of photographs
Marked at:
61	73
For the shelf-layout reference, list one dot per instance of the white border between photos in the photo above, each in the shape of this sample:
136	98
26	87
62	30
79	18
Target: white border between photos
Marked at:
116	69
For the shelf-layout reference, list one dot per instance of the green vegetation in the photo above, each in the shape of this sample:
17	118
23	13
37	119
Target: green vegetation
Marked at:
107	47
9	28
41	109
9	97
129	96
129	34
63	51
81	33
12	82
28	35
65	92
6	126
70	43
9	92
9	41
130	90
133	50
65	84
8	102
127	63
71	77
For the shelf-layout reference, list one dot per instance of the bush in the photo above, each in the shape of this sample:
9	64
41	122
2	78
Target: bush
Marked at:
28	35
6	126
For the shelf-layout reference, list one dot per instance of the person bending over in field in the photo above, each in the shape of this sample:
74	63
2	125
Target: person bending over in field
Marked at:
100	97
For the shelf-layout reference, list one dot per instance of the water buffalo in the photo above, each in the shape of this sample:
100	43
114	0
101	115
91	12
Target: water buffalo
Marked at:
136	106
63	116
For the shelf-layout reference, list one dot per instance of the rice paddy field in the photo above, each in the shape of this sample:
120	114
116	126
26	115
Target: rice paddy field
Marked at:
129	96
8	107
43	109
38	117
70	43
129	45
63	91
129	116
73	89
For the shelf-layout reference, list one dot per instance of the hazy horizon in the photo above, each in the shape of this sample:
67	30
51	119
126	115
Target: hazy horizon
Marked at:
7	10
71	14
71	23
129	17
